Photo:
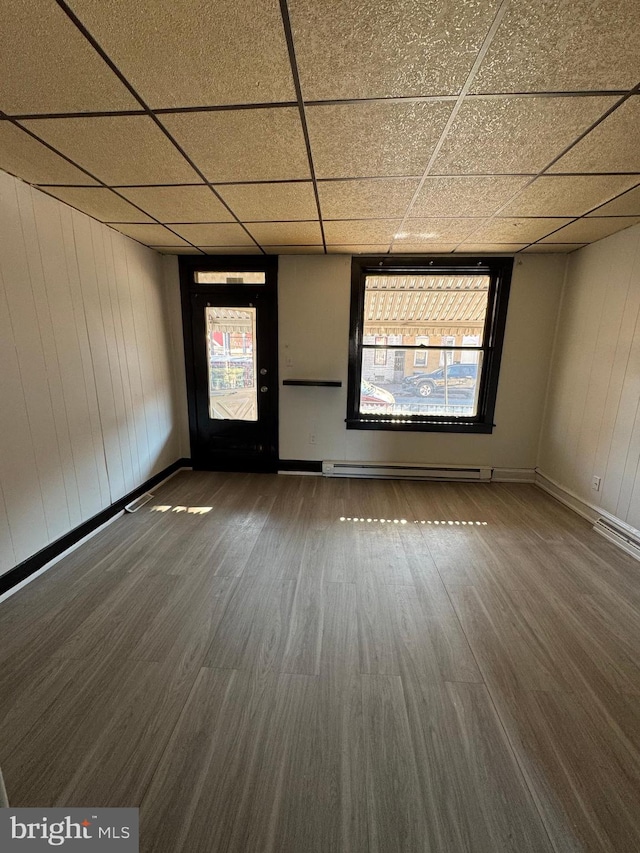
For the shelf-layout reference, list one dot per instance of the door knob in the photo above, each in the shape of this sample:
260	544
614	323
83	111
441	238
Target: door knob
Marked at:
263	388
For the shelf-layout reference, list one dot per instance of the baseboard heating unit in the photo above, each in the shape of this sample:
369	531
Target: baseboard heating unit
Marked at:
397	470
624	539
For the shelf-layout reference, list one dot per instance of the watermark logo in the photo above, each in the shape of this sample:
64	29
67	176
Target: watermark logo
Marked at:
80	830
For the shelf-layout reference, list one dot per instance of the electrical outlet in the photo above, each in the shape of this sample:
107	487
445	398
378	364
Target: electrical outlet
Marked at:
595	484
312	438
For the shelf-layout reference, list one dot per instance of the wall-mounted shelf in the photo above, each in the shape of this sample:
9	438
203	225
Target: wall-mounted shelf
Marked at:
321	383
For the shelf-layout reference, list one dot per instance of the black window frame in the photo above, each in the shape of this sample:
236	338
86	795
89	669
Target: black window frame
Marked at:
499	270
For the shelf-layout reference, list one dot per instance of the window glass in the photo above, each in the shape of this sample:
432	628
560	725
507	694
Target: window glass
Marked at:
424	353
231	359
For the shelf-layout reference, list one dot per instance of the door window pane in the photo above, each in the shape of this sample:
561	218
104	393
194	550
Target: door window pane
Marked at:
231	360
230	277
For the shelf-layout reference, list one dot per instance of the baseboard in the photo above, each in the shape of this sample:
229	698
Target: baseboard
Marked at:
513	475
589	511
299	466
54	552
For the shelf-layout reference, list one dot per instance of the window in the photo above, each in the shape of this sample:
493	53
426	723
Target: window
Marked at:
437	327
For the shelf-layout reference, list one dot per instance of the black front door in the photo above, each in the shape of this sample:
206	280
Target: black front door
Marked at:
230	324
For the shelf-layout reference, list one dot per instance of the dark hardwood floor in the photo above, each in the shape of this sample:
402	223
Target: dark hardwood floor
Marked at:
299	664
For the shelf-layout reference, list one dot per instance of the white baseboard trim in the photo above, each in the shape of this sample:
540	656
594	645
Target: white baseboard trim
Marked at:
513	475
590	512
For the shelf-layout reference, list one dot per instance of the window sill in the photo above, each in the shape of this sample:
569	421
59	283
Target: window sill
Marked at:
399	425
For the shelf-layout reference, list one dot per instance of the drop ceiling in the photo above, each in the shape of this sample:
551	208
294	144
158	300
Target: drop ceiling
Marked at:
338	126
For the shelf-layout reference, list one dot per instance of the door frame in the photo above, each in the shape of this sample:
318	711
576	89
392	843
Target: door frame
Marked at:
188	266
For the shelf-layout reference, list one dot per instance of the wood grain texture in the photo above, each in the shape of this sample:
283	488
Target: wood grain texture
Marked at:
260	678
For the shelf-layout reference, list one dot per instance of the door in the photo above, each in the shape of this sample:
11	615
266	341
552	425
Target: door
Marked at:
230	323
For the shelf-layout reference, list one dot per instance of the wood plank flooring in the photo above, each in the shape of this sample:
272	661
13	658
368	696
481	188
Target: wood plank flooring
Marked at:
306	665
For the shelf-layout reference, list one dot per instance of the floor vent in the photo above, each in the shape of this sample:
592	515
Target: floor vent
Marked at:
393	470
141	501
619	536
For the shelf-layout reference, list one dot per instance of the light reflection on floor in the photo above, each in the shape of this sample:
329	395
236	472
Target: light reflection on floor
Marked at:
416	521
191	510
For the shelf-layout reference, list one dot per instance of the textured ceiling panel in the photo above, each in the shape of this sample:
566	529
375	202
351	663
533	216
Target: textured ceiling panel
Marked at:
215	235
566	196
243	145
27	158
47	65
118	150
271	202
286	233
546	248
566	45
590	230
345	249
612	146
462	196
195	52
515	135
152	235
100	203
484	248
317	249
177	250
365	231
512	230
365	199
231	250
399	248
367	140
436	230
626	205
362	49
179	204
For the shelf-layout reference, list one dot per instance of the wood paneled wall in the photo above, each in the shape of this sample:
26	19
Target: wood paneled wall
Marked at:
87	409
592	422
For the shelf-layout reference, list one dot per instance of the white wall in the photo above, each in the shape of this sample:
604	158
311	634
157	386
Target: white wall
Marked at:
87	407
313	297
592	422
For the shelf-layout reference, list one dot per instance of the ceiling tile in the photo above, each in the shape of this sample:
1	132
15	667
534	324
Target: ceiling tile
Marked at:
363	199
286	233
406	47
150	235
195	52
436	230
546	248
612	146
462	196
369	140
117	149
564	45
243	145
177	250
271	202
47	65
512	230
231	250
484	248
422	248
361	232
626	205
592	229
514	135
100	203
179	204
215	235
318	249
566	196
376	249
27	158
